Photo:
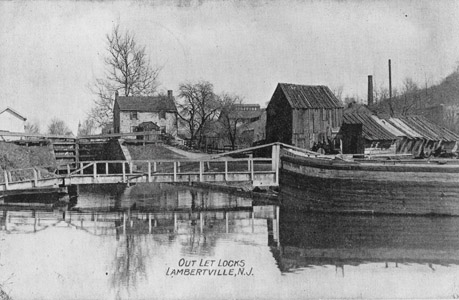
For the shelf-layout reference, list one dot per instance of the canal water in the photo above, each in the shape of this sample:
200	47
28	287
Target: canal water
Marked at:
173	242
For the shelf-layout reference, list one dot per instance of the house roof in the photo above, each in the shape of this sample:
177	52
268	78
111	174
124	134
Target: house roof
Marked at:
146	104
245	114
309	96
13	112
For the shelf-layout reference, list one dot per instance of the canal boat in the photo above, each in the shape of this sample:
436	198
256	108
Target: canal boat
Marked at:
385	185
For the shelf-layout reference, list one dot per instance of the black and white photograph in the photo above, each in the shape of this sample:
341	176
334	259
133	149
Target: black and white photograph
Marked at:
229	149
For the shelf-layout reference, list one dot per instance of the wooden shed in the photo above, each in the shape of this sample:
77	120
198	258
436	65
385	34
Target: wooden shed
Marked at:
303	115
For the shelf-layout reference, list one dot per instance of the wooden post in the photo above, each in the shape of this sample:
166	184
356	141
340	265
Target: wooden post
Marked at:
226	221
276	161
201	171
154	167
35	177
95	224
35	222
81	168
273	158
131	167
124	221
149	223
175	171
7	217
251	169
106	168
149	171
226	170
175	222
94	170
68	169
124	172
5	174
253	222
276	231
200	221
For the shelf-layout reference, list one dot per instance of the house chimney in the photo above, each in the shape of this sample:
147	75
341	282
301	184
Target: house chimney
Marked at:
370	90
116	95
169	94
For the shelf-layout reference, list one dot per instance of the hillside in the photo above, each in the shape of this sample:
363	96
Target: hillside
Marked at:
439	103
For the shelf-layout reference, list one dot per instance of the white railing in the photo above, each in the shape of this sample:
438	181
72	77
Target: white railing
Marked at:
175	168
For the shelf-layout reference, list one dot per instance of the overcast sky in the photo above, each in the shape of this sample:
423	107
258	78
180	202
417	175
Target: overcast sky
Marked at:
51	51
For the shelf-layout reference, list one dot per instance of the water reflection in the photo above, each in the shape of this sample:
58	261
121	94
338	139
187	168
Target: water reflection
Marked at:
329	239
119	243
129	263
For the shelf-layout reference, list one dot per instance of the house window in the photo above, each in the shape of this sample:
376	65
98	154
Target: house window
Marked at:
162	114
134	115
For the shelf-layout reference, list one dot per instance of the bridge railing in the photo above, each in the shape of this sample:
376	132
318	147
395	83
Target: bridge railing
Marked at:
13	176
171	167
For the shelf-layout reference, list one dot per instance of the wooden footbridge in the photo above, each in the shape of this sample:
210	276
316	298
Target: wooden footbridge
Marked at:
220	168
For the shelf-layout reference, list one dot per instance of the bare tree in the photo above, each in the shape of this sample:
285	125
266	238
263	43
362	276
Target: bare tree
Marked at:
410	97
199	105
230	118
338	92
127	70
58	127
88	127
32	128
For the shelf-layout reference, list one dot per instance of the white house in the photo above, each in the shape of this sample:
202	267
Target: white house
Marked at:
131	112
11	120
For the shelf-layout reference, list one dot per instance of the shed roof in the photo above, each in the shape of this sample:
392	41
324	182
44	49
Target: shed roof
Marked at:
388	126
371	129
405	128
146	104
309	96
429	130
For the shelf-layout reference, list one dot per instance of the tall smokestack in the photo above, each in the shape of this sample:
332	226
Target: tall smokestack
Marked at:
370	90
390	81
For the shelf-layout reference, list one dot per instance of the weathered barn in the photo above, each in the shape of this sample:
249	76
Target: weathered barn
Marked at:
302	115
130	112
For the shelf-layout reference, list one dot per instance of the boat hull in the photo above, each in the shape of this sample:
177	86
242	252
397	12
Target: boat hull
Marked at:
330	186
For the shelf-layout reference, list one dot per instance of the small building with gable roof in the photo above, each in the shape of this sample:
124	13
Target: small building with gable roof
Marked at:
303	115
132	111
11	120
